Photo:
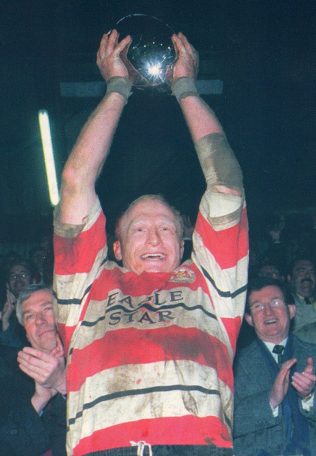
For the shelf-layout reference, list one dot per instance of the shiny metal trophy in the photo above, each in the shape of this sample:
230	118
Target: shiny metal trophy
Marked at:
151	54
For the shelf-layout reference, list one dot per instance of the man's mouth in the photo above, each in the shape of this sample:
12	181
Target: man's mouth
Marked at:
45	331
271	321
152	256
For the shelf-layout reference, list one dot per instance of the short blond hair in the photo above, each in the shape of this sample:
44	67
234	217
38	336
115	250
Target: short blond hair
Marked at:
150	197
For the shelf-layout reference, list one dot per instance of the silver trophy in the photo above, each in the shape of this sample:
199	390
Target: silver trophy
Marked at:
151	55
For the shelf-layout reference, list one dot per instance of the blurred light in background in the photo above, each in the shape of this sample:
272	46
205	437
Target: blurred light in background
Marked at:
48	156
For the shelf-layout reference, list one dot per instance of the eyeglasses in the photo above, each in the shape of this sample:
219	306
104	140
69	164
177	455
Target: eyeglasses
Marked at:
274	304
21	275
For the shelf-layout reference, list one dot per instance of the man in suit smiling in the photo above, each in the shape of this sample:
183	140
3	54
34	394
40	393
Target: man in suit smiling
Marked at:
274	379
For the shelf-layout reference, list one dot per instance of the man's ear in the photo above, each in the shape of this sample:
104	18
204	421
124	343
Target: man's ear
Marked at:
117	250
181	248
292	310
248	319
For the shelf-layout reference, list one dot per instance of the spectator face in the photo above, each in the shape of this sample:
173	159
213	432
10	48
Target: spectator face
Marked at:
270	271
39	320
303	278
149	240
269	315
19	278
38	258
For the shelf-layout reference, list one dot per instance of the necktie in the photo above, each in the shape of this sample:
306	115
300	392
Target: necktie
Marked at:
278	350
296	431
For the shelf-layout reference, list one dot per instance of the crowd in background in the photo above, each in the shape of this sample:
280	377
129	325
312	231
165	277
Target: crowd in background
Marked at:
284	248
275	246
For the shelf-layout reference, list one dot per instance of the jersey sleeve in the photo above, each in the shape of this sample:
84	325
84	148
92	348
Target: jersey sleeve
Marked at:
79	251
220	238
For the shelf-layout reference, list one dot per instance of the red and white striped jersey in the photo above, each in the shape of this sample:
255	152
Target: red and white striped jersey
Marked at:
150	355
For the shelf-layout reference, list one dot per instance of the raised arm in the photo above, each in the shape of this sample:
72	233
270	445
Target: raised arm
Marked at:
200	118
92	147
202	121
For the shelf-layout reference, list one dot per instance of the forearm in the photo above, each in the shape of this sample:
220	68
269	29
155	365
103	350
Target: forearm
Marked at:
219	165
87	158
38	402
60	383
200	118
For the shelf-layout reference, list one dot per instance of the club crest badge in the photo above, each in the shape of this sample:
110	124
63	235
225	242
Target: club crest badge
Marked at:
183	275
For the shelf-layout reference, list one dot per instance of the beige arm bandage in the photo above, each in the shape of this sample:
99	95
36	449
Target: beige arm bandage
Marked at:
218	161
120	85
183	87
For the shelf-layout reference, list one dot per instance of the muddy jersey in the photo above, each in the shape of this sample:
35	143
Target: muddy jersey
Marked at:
150	355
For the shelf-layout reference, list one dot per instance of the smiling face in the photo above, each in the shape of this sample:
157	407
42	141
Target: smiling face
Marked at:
18	279
269	314
39	320
149	238
303	278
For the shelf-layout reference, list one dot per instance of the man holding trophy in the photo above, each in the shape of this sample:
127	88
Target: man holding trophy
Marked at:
150	343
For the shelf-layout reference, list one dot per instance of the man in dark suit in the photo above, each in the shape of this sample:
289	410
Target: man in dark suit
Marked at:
275	409
32	402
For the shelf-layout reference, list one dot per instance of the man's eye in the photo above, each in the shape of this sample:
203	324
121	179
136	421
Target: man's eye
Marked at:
257	306
48	309
170	228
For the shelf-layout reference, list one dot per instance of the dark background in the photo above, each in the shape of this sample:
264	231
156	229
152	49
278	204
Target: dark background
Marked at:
263	51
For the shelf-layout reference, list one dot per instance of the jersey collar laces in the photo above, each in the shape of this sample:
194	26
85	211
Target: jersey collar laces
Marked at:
141	447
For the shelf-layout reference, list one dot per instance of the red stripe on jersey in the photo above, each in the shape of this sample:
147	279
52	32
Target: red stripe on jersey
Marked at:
129	283
232	326
66	333
184	430
227	246
75	255
147	283
149	346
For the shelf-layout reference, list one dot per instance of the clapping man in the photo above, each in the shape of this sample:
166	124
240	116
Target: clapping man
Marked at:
275	412
33	406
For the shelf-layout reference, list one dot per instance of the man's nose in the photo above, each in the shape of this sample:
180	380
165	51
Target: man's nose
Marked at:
268	309
39	318
153	236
